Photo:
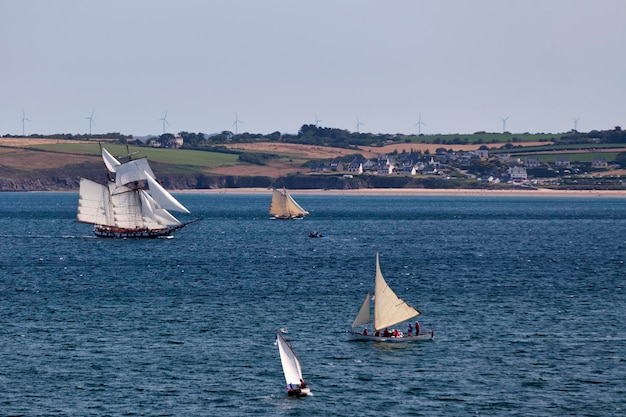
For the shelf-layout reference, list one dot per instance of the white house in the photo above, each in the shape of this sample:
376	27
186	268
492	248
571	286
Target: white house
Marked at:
518	174
356	166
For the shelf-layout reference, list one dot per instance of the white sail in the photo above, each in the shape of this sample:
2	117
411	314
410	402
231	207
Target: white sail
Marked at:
294	207
284	206
152	210
165	199
363	317
291	364
132	171
126	205
110	161
93	203
389	309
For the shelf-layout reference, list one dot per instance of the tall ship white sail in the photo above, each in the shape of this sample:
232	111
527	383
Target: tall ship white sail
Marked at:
389	310
283	206
291	368
131	204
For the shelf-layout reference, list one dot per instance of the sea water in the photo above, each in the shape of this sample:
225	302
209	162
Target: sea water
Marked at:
526	297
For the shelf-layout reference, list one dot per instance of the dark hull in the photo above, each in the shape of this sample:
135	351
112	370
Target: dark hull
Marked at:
116	233
298	392
119	233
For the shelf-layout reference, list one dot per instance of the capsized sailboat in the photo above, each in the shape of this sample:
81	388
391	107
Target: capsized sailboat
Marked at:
131	204
389	310
291	368
283	206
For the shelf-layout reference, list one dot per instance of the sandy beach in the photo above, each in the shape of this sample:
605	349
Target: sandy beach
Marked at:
423	192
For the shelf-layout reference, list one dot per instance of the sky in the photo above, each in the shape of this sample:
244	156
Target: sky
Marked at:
394	66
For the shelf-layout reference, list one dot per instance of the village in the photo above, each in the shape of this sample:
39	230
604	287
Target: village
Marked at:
481	165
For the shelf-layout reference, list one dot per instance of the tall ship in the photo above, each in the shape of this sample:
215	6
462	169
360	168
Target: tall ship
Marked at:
132	203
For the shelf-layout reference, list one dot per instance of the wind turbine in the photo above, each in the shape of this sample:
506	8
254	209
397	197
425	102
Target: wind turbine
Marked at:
504	119
317	121
358	124
236	122
91	122
419	125
164	120
24	119
576	124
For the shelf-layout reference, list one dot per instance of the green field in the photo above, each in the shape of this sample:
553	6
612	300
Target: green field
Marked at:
167	156
486	138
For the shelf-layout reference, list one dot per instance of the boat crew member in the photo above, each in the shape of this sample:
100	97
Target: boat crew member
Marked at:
302	384
417	328
410	330
365	331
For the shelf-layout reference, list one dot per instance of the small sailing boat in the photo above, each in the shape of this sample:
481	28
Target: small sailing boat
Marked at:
389	310
131	204
283	206
291	368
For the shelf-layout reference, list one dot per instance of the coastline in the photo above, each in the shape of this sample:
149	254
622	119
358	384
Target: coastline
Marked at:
540	192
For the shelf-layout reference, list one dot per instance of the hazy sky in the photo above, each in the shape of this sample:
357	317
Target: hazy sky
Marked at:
278	64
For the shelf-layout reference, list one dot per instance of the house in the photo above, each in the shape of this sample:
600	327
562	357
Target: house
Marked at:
356	165
562	161
385	165
599	163
336	166
408	170
435	164
319	168
482	153
532	162
518	174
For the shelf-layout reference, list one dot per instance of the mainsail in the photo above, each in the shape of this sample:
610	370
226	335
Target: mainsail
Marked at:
389	309
283	206
124	207
291	364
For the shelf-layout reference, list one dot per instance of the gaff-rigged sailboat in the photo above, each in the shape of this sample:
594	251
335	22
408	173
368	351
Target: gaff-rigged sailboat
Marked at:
283	206
291	368
131	204
389	310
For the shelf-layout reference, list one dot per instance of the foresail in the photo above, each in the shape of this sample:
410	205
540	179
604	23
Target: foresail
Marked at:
364	313
289	360
155	213
389	309
294	208
94	203
162	196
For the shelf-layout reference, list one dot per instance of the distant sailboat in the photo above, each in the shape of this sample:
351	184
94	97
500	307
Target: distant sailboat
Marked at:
389	310
283	206
131	204
291	369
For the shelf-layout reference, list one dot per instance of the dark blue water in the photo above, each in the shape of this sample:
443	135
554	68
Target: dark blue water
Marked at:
526	296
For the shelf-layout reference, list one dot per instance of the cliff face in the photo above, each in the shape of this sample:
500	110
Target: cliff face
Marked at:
68	178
